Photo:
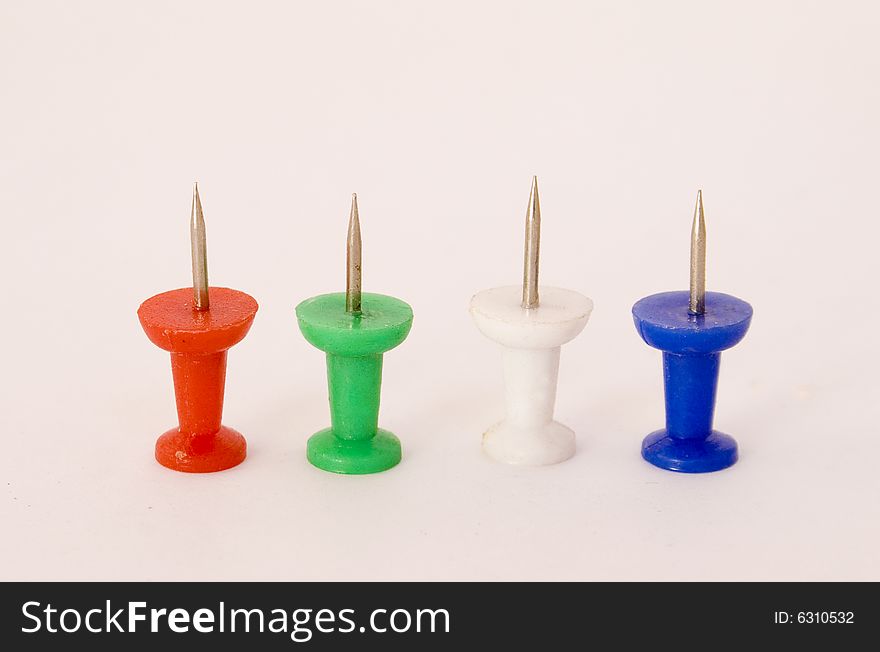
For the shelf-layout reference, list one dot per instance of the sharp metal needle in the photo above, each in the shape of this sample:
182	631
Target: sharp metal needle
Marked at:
199	253
697	304
353	261
532	249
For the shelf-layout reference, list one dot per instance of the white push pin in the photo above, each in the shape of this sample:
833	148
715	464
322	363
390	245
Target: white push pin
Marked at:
531	333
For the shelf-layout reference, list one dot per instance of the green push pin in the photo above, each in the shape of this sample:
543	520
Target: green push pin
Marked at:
354	330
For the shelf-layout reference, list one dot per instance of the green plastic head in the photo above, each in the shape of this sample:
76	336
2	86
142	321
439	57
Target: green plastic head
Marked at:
384	323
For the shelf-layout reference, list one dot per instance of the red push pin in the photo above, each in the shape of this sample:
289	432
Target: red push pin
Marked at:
197	326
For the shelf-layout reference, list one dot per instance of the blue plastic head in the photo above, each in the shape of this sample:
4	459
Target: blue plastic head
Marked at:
664	322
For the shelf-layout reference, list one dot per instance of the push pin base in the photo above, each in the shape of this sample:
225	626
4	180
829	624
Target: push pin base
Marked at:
354	344
531	340
198	342
715	452
550	443
331	453
691	346
201	453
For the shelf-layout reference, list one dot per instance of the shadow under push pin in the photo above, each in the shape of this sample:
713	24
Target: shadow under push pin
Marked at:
197	325
354	329
691	328
531	329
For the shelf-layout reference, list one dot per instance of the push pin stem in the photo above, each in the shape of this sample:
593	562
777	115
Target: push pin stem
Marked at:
199	252
353	261
531	256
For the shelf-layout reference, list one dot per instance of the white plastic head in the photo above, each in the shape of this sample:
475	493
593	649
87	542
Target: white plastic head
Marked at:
559	318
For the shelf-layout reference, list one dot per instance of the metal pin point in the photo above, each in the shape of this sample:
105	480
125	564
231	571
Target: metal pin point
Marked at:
199	252
697	303
532	249
353	261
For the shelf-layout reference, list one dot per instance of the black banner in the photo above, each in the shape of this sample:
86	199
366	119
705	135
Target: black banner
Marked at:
429	616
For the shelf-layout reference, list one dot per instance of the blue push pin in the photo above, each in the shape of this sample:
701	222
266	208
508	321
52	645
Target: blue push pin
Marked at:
691	329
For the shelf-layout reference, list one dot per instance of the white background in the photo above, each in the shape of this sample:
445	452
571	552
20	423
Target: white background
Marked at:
437	114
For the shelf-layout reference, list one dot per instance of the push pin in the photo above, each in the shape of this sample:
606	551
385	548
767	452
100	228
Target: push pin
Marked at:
691	328
197	325
354	329
531	329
